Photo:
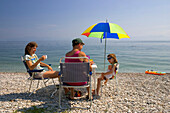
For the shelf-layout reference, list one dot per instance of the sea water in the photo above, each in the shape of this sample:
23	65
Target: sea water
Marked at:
133	56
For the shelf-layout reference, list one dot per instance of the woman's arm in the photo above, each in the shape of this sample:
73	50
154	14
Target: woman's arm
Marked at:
82	54
32	66
46	65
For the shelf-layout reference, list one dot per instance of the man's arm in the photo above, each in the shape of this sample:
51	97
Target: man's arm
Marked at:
82	54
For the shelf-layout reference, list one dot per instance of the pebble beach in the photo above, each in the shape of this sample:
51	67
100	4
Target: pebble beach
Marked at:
136	92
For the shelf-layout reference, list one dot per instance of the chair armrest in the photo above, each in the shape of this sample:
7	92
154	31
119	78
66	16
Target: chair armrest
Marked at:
40	70
90	73
59	74
45	66
112	77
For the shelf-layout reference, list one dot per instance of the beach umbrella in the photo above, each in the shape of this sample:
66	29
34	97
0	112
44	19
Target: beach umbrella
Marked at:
105	30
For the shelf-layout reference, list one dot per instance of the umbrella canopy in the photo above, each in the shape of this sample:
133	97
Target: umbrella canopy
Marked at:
104	31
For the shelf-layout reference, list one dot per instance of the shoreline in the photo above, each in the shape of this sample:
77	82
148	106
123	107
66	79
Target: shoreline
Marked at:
98	73
137	92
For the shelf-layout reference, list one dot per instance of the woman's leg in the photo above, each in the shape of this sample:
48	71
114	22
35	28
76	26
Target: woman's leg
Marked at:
51	74
66	90
72	93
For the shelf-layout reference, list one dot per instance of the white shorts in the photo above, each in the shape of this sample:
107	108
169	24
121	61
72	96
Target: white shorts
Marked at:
108	76
38	74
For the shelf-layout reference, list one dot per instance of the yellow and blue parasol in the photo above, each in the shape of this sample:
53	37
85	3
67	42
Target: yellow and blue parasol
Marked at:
105	30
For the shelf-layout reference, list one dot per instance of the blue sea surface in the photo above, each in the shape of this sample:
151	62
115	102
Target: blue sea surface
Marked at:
133	56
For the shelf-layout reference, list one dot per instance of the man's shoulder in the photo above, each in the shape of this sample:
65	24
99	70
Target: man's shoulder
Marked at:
68	53
81	53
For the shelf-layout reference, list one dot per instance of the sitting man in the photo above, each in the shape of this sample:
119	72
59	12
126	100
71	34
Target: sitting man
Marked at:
76	52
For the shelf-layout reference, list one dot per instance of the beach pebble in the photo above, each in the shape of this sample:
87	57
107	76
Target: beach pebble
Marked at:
136	92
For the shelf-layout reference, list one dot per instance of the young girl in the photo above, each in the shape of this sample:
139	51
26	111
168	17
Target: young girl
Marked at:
110	73
106	77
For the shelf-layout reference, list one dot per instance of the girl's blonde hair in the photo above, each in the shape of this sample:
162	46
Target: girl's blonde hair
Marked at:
113	56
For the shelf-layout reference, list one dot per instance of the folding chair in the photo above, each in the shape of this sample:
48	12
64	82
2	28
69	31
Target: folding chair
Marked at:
73	73
31	77
115	78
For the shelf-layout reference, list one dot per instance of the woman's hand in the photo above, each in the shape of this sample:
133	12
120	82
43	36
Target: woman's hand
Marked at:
50	68
43	58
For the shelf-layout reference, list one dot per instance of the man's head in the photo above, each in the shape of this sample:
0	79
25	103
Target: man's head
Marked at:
77	41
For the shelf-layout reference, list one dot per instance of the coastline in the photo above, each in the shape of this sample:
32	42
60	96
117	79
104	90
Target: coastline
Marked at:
137	92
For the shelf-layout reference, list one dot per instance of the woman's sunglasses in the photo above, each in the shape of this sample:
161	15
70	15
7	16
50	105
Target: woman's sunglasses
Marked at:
109	58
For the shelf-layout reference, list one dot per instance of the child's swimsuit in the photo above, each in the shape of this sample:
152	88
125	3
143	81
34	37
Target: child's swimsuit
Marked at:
110	76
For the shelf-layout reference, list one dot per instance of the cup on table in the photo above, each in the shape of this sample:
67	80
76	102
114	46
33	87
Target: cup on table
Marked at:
91	60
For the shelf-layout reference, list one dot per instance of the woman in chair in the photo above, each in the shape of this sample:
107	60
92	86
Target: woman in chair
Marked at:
33	62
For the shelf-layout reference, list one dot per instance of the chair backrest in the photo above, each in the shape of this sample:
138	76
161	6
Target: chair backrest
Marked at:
28	70
117	69
74	71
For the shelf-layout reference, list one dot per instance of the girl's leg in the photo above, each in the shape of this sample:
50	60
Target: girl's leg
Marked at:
99	84
51	74
88	90
105	81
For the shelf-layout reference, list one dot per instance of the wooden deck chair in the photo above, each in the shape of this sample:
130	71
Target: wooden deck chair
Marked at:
31	77
111	80
73	73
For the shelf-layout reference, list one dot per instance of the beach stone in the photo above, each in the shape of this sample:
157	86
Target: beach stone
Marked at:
137	92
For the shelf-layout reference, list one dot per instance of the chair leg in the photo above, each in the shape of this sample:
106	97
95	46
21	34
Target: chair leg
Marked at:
53	81
38	84
30	88
55	89
53	93
44	83
90	96
101	89
34	89
117	85
60	97
30	85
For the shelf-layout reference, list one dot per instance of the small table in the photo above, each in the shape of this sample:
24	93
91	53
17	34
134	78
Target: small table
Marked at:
94	66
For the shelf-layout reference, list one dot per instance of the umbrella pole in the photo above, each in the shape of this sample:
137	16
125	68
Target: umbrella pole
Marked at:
105	52
105	49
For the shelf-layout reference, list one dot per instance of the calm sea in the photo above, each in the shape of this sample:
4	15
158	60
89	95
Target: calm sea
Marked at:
133	56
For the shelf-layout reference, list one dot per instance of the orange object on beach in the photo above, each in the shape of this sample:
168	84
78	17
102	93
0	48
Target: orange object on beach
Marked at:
154	72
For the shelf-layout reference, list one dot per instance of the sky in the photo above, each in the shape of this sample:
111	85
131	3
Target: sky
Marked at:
29	20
